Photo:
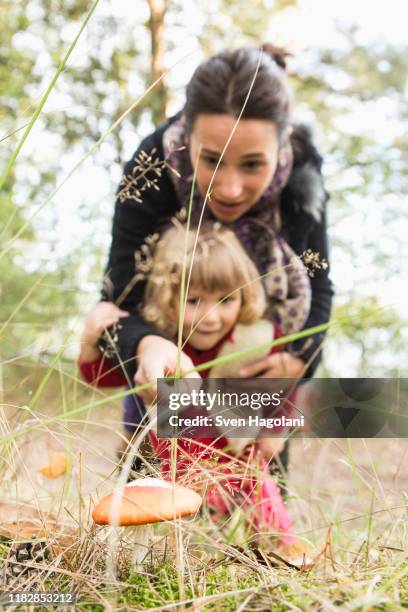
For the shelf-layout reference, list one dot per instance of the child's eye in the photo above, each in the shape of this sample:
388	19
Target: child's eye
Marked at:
193	300
227	298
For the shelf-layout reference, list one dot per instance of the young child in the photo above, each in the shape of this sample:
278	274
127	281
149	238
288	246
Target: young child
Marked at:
222	314
245	306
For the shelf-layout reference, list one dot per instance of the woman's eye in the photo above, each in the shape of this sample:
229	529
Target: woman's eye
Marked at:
226	299
210	160
253	165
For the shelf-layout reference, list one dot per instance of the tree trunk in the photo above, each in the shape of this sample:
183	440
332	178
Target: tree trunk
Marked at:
156	26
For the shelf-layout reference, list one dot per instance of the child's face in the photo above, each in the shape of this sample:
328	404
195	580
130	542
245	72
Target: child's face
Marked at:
209	317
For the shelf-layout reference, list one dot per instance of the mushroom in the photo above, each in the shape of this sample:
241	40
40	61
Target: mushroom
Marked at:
144	501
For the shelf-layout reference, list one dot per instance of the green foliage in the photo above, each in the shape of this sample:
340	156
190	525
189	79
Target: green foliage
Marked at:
110	70
341	82
366	175
233	24
97	80
162	586
14	65
372	329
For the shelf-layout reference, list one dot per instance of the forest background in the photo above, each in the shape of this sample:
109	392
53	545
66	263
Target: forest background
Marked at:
348	71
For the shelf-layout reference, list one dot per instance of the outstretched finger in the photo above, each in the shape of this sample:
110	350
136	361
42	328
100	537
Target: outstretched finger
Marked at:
123	313
108	322
148	395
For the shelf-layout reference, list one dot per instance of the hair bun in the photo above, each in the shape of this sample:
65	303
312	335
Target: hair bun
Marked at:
279	54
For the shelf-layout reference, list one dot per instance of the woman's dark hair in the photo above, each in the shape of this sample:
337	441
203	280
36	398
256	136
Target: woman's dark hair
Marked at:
221	84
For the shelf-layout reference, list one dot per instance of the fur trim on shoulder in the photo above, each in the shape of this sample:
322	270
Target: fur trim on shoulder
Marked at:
244	337
305	186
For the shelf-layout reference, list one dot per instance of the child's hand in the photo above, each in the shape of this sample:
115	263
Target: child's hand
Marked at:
158	358
101	317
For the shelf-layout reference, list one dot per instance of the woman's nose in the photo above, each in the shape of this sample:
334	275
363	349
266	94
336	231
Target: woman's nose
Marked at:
228	187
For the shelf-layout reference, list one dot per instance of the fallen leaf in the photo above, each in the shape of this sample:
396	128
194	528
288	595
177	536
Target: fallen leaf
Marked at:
20	520
56	467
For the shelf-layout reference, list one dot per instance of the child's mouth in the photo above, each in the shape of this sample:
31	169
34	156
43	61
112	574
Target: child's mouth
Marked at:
207	333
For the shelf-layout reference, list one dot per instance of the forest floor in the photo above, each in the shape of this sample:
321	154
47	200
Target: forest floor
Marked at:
350	494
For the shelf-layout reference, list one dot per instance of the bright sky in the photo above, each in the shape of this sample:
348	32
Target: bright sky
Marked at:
315	22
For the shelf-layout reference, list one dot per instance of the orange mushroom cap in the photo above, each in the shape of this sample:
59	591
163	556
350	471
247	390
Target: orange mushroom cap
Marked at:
147	500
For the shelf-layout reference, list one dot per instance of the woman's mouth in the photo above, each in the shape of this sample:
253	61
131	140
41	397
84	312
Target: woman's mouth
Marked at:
227	207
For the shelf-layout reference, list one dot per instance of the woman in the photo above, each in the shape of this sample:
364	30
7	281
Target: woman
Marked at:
268	188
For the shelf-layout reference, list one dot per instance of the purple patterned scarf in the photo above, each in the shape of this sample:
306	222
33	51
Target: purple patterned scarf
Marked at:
287	284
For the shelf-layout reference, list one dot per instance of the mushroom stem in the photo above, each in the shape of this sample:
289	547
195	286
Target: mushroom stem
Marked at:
139	539
142	502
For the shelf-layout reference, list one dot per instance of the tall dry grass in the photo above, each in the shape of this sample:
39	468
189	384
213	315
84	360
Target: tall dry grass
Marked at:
45	409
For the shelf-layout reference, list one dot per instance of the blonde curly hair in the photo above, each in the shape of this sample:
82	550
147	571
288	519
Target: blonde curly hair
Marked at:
219	263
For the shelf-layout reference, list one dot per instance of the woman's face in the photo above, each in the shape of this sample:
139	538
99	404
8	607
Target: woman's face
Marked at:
246	169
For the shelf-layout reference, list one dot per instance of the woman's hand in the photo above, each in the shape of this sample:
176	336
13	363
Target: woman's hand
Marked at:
104	315
158	358
277	365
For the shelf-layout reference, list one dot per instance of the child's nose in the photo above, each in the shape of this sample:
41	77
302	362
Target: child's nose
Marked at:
211	314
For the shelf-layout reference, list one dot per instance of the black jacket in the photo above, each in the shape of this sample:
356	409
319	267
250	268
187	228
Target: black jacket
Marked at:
303	212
